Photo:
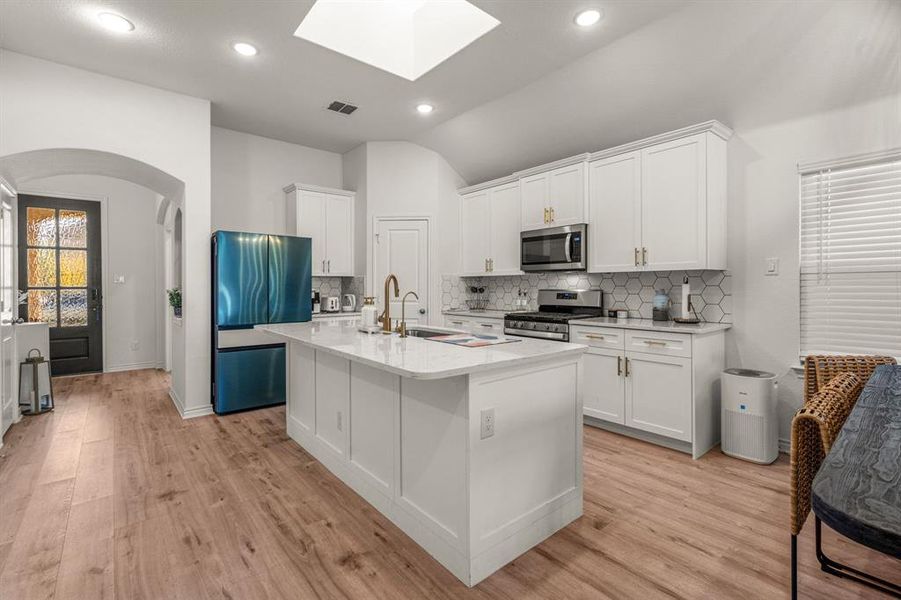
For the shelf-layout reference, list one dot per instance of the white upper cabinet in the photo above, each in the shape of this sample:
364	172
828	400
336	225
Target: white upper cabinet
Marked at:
505	227
673	205
475	224
534	193
614	213
327	217
339	232
566	197
490	226
657	204
661	207
553	198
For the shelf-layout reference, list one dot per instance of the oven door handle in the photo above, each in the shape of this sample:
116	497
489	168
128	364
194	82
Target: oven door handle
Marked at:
568	247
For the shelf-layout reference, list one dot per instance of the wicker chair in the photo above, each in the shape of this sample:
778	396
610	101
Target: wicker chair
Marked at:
832	385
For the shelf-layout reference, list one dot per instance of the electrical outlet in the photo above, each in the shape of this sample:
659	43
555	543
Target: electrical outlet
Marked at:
487	423
340	426
772	266
135	344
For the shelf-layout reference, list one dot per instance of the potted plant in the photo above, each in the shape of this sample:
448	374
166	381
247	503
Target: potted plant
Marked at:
175	300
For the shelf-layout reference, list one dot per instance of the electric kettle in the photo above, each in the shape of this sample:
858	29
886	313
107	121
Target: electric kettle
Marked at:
348	303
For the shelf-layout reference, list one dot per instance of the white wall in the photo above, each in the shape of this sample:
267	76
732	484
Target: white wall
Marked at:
249	172
763	222
404	179
131	247
46	105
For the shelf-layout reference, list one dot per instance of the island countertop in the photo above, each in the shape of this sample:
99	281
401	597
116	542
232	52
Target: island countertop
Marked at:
417	358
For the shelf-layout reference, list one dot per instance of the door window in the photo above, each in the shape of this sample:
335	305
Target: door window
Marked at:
57	266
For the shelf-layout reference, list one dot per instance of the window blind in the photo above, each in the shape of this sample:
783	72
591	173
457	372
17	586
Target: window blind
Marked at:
851	257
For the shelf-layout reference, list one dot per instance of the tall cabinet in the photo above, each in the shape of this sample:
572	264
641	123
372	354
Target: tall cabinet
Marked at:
489	224
660	204
327	216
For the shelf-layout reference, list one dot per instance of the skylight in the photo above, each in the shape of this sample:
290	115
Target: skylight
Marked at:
408	38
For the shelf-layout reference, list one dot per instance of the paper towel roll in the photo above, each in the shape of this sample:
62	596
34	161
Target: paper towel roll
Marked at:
686	299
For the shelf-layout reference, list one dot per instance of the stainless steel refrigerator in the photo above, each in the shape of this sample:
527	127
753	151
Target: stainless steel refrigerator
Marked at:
257	278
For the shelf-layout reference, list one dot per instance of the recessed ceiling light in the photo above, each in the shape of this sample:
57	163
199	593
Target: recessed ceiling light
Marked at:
245	49
115	22
587	18
424	109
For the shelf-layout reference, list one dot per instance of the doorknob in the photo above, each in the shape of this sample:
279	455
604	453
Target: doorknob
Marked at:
422	311
12	321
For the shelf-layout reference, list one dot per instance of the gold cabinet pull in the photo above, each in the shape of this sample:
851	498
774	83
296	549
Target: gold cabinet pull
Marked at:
627	366
594	336
655	343
636	257
644	256
619	365
552	215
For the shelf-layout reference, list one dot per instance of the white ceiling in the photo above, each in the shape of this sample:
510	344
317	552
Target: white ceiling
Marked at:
534	89
185	46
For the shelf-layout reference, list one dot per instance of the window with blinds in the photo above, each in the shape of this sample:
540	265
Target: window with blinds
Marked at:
851	256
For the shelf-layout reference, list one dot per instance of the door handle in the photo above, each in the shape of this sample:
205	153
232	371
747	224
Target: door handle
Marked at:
552	215
619	365
627	366
323	266
655	343
594	336
422	311
636	256
568	247
12	321
491	264
644	256
328	264
486	265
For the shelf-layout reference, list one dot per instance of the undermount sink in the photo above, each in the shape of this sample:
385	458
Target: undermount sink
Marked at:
422	332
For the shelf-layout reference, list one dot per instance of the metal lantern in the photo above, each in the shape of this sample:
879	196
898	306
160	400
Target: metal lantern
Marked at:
35	388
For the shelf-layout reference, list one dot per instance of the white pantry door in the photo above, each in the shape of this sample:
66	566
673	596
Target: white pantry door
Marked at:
402	248
8	396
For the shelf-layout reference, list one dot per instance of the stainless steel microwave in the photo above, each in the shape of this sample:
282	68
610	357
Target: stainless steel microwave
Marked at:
554	249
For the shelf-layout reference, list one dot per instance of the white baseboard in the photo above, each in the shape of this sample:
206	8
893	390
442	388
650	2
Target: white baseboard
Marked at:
785	446
150	364
189	413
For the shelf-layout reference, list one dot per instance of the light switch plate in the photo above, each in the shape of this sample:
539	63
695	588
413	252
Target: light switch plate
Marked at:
119	279
772	266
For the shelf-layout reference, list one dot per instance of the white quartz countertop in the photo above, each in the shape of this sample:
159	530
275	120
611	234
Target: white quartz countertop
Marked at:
478	314
417	358
651	325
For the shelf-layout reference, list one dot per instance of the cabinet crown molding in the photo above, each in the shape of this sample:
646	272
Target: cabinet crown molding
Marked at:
293	187
563	162
487	184
714	127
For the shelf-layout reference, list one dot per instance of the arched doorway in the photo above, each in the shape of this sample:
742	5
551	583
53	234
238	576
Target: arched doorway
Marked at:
21	170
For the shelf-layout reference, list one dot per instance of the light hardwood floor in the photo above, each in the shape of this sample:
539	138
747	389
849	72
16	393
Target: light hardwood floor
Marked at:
114	496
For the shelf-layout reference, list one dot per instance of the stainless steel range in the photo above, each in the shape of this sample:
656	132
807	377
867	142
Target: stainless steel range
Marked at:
556	308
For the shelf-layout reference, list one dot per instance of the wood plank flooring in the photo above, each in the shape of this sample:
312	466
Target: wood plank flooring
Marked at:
114	496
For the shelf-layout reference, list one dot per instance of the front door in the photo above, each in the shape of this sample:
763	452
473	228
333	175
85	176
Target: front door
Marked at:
402	248
59	271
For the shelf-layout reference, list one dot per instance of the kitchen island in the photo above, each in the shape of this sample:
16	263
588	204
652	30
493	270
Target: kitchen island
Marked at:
475	453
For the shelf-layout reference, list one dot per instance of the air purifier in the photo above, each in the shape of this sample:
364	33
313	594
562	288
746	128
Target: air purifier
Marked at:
750	426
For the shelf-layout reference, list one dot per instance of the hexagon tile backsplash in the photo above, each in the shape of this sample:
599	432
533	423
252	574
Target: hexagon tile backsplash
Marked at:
336	286
711	291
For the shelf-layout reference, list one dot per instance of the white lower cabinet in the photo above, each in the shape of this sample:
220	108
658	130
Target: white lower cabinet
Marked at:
653	382
487	325
658	395
604	385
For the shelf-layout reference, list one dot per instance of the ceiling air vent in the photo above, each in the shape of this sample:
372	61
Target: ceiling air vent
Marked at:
342	107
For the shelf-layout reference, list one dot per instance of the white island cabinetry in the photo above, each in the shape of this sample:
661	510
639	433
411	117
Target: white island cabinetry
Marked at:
475	453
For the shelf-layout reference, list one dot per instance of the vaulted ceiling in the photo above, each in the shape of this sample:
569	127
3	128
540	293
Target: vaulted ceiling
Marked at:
534	89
